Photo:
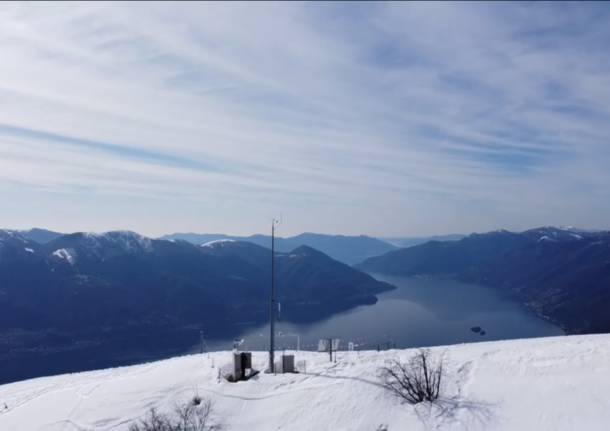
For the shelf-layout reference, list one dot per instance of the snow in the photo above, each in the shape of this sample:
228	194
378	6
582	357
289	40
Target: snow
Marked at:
126	240
217	243
13	234
131	241
290	256
65	254
557	383
29	250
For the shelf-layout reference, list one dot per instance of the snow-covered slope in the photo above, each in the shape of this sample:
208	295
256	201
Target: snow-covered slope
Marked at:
560	383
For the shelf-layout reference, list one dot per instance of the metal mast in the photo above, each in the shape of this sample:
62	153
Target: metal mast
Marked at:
272	308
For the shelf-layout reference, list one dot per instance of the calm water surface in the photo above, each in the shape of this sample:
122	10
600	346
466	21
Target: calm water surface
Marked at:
420	312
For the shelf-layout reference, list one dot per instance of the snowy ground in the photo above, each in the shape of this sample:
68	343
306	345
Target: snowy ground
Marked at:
557	383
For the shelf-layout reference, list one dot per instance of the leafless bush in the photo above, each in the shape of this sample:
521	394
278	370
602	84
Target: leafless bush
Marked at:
415	381
153	422
196	400
186	417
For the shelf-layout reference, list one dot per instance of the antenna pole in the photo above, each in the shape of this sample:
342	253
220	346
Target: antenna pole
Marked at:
272	303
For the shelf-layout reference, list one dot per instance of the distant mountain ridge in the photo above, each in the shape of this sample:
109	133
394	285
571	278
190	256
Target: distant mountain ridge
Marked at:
41	236
563	273
91	300
403	242
346	249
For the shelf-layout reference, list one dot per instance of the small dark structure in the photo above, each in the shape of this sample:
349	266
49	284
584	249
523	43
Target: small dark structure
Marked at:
288	364
242	366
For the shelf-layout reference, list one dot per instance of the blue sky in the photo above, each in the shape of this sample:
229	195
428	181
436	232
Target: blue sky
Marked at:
385	119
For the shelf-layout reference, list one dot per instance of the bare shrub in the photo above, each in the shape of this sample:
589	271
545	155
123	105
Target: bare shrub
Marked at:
153	421
194	417
186	417
196	400
416	380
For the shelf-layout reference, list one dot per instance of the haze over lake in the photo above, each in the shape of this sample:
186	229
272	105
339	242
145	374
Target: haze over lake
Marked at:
422	311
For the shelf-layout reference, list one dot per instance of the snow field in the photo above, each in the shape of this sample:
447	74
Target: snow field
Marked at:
557	383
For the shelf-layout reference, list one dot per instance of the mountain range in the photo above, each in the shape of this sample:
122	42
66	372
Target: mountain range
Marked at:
403	242
346	249
41	236
562	273
81	301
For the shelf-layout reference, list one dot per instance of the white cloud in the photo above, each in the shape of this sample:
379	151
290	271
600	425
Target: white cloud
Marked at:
380	118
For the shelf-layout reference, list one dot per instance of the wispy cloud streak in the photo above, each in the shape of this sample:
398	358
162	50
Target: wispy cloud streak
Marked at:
380	118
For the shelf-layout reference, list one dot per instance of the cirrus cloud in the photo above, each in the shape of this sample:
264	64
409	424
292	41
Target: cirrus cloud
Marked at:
377	118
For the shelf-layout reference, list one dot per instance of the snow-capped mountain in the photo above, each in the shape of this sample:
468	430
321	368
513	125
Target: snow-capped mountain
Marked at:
41	236
557	383
101	245
346	249
16	252
68	247
12	239
551	233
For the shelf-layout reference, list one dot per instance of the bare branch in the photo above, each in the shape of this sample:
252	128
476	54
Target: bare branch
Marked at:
416	381
191	416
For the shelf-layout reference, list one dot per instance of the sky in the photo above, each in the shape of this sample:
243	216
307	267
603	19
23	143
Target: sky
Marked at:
386	119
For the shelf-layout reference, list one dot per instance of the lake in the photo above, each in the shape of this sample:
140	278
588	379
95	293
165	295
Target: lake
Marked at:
422	311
